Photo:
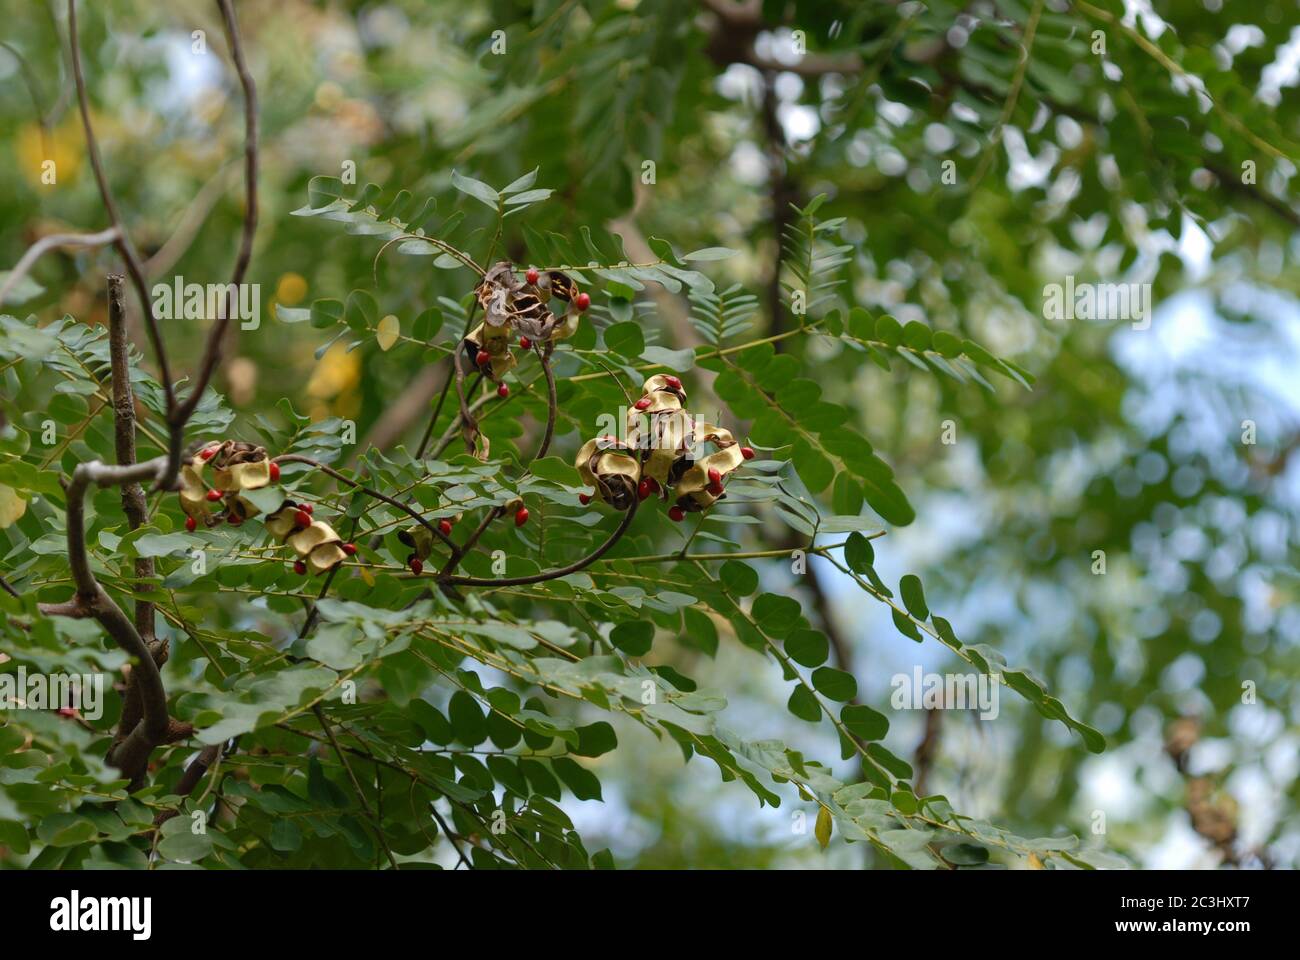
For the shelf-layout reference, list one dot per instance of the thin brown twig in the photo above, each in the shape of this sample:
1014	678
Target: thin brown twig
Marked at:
212	352
123	240
47	243
131	755
451	580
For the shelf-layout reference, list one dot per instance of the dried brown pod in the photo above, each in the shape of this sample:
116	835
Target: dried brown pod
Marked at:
227	467
611	466
319	547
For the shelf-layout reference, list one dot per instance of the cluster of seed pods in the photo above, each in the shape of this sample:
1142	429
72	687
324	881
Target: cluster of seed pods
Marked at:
237	467
663	454
513	307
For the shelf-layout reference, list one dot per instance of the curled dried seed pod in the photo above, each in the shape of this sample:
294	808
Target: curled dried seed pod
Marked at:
235	466
664	383
316	544
193	493
612	468
556	283
493	293
567	325
701	483
659	427
495	342
280	523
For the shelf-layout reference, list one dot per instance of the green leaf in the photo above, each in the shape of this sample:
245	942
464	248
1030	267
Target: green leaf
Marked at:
633	637
625	339
710	253
864	722
914	597
808	648
858	553
582	783
803	704
776	615
475	188
738	577
834	683
467	720
557	471
595	739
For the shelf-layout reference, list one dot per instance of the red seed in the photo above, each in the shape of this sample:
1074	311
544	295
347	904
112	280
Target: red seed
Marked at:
643	489
584	498
521	516
445	527
715	482
532	276
190	524
582	301
676	514
350	549
299	567
275	472
643	403
416	564
214	496
673	382
207	454
302	518
503	391
747	453
483	358
310	508
234	520
525	343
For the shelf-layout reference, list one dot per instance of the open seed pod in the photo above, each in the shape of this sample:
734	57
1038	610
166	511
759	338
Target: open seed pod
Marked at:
559	285
317	543
555	283
238	465
610	466
495	294
235	466
659	427
694	489
194	492
418	538
496	341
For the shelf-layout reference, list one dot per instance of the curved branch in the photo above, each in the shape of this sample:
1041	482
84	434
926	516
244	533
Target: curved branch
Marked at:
123	241
552	404
131	755
449	434
212	352
442	245
458	553
550	574
48	243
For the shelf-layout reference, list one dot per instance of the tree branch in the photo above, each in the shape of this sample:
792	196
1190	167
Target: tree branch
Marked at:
212	352
574	567
48	243
131	755
133	501
123	240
